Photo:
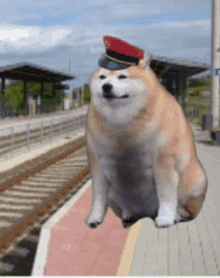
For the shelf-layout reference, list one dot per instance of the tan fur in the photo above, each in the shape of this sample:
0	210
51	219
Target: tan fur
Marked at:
161	123
179	150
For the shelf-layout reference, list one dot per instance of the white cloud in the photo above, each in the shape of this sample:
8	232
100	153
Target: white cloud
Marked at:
31	38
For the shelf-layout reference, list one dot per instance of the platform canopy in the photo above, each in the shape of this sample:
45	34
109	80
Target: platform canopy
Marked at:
29	72
163	66
33	73
173	74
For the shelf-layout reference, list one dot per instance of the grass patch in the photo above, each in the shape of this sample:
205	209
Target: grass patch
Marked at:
196	93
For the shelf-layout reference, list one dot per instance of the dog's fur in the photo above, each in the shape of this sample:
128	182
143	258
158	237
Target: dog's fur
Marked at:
141	150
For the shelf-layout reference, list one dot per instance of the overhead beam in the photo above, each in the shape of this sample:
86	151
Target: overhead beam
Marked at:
33	79
26	69
38	74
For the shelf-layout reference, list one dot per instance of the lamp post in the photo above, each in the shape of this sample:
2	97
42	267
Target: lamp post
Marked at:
38	102
214	96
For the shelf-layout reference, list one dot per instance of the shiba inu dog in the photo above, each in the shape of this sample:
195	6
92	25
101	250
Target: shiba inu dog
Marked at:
140	148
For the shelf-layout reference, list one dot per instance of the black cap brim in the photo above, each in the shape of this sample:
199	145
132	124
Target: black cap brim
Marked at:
106	63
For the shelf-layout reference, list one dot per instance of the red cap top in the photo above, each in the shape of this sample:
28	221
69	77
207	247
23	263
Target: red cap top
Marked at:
122	47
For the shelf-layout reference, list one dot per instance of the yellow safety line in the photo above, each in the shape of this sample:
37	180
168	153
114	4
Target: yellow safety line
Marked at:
128	252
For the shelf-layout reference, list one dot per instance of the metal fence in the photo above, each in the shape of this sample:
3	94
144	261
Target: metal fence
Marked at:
22	138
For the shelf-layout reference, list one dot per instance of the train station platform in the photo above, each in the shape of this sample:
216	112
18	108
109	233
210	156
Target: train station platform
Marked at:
7	122
68	247
21	154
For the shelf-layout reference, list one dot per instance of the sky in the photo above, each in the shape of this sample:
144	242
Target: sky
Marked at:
51	32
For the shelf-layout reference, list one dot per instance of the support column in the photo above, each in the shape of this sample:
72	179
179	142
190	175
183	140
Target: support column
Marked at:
215	60
3	97
82	97
165	82
54	96
177	86
74	98
61	100
42	97
25	105
170	85
77	97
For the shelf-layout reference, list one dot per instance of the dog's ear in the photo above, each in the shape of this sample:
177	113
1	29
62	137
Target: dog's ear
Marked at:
144	63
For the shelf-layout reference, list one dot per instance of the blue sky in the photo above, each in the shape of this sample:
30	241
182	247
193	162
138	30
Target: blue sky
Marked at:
50	32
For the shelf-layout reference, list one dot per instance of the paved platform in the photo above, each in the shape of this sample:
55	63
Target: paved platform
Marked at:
20	124
68	247
7	122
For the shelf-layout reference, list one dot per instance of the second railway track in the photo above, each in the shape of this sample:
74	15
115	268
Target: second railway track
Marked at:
26	198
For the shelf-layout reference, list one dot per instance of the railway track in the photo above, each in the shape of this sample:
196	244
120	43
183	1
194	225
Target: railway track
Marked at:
29	199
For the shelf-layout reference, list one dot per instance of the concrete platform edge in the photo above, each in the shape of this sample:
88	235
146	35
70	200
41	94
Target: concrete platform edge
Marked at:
42	249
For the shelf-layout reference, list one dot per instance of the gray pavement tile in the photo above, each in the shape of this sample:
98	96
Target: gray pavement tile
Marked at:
196	250
151	250
213	237
162	253
207	250
140	249
173	251
191	248
185	256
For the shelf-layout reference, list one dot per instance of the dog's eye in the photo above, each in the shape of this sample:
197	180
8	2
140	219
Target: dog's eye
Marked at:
122	76
102	77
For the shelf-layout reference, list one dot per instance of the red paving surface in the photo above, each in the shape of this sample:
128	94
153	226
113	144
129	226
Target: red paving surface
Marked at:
75	249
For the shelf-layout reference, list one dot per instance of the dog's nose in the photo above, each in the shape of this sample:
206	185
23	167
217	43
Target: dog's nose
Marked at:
107	87
107	91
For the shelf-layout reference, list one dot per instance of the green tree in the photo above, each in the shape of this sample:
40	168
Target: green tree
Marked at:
196	83
196	92
15	95
86	94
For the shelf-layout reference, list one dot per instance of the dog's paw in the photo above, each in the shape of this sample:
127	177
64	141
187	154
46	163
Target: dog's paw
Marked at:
92	222
164	222
93	225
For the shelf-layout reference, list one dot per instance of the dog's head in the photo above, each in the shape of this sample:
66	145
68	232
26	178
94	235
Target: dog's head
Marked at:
113	90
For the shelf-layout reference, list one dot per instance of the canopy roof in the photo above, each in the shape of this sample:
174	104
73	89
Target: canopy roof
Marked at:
163	66
33	73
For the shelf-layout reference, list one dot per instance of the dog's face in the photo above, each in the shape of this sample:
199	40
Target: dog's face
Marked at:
117	94
115	88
